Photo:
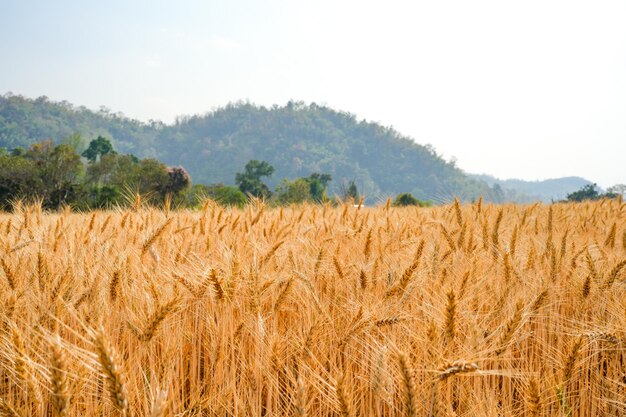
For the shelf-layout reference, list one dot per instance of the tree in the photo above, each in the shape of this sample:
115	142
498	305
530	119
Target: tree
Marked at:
350	191
178	180
406	199
59	169
617	189
249	181
294	192
97	148
317	185
587	192
103	196
18	179
108	177
114	177
227	195
152	179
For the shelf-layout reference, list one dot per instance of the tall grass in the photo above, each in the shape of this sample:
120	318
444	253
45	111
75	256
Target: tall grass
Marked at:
460	310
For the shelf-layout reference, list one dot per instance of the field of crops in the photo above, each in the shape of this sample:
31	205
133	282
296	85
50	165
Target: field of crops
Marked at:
457	310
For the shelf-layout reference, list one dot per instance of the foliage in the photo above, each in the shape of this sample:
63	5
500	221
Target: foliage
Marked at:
59	171
317	185
55	175
98	148
249	181
293	192
587	192
225	195
616	190
591	192
311	189
178	180
350	192
18	177
407	199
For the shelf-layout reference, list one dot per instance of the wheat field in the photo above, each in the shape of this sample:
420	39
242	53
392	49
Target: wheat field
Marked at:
456	310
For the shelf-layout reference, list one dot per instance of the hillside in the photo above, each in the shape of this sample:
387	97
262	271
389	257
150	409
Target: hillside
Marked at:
525	191
297	139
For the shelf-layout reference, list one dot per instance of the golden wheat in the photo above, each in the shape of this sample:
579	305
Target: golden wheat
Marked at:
296	311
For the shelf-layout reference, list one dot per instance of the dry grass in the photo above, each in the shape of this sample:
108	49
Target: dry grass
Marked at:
459	310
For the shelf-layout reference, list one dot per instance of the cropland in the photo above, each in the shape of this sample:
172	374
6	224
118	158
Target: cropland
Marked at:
315	310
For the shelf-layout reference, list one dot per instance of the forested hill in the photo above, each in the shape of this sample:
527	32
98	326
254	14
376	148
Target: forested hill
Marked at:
297	139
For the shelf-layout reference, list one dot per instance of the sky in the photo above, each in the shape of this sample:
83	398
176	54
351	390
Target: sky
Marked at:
516	89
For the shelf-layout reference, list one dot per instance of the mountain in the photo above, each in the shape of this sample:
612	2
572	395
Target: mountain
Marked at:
297	139
527	191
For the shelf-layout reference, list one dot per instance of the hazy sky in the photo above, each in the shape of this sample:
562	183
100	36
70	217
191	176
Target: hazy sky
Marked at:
526	89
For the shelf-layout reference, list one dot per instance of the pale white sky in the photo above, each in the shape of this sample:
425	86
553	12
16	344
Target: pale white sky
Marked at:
526	89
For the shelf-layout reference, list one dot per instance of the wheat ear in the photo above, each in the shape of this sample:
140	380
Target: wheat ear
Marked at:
58	380
345	408
155	235
408	384
533	398
113	374
450	320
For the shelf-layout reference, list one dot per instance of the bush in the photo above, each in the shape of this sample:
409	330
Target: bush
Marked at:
224	195
407	199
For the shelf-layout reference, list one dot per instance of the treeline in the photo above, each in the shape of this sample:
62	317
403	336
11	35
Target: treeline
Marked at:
99	177
56	176
591	192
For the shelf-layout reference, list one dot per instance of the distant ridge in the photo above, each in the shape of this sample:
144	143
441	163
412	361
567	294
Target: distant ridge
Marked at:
548	190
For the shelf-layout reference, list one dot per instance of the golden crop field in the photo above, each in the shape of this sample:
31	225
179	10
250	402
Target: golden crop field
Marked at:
457	310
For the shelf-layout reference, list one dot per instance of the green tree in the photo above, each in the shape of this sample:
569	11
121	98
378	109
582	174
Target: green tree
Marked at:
587	192
114	177
249	181
97	148
317	185
108	178
294	192
225	195
311	188
59	169
18	179
103	196
406	199
152	180
350	191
